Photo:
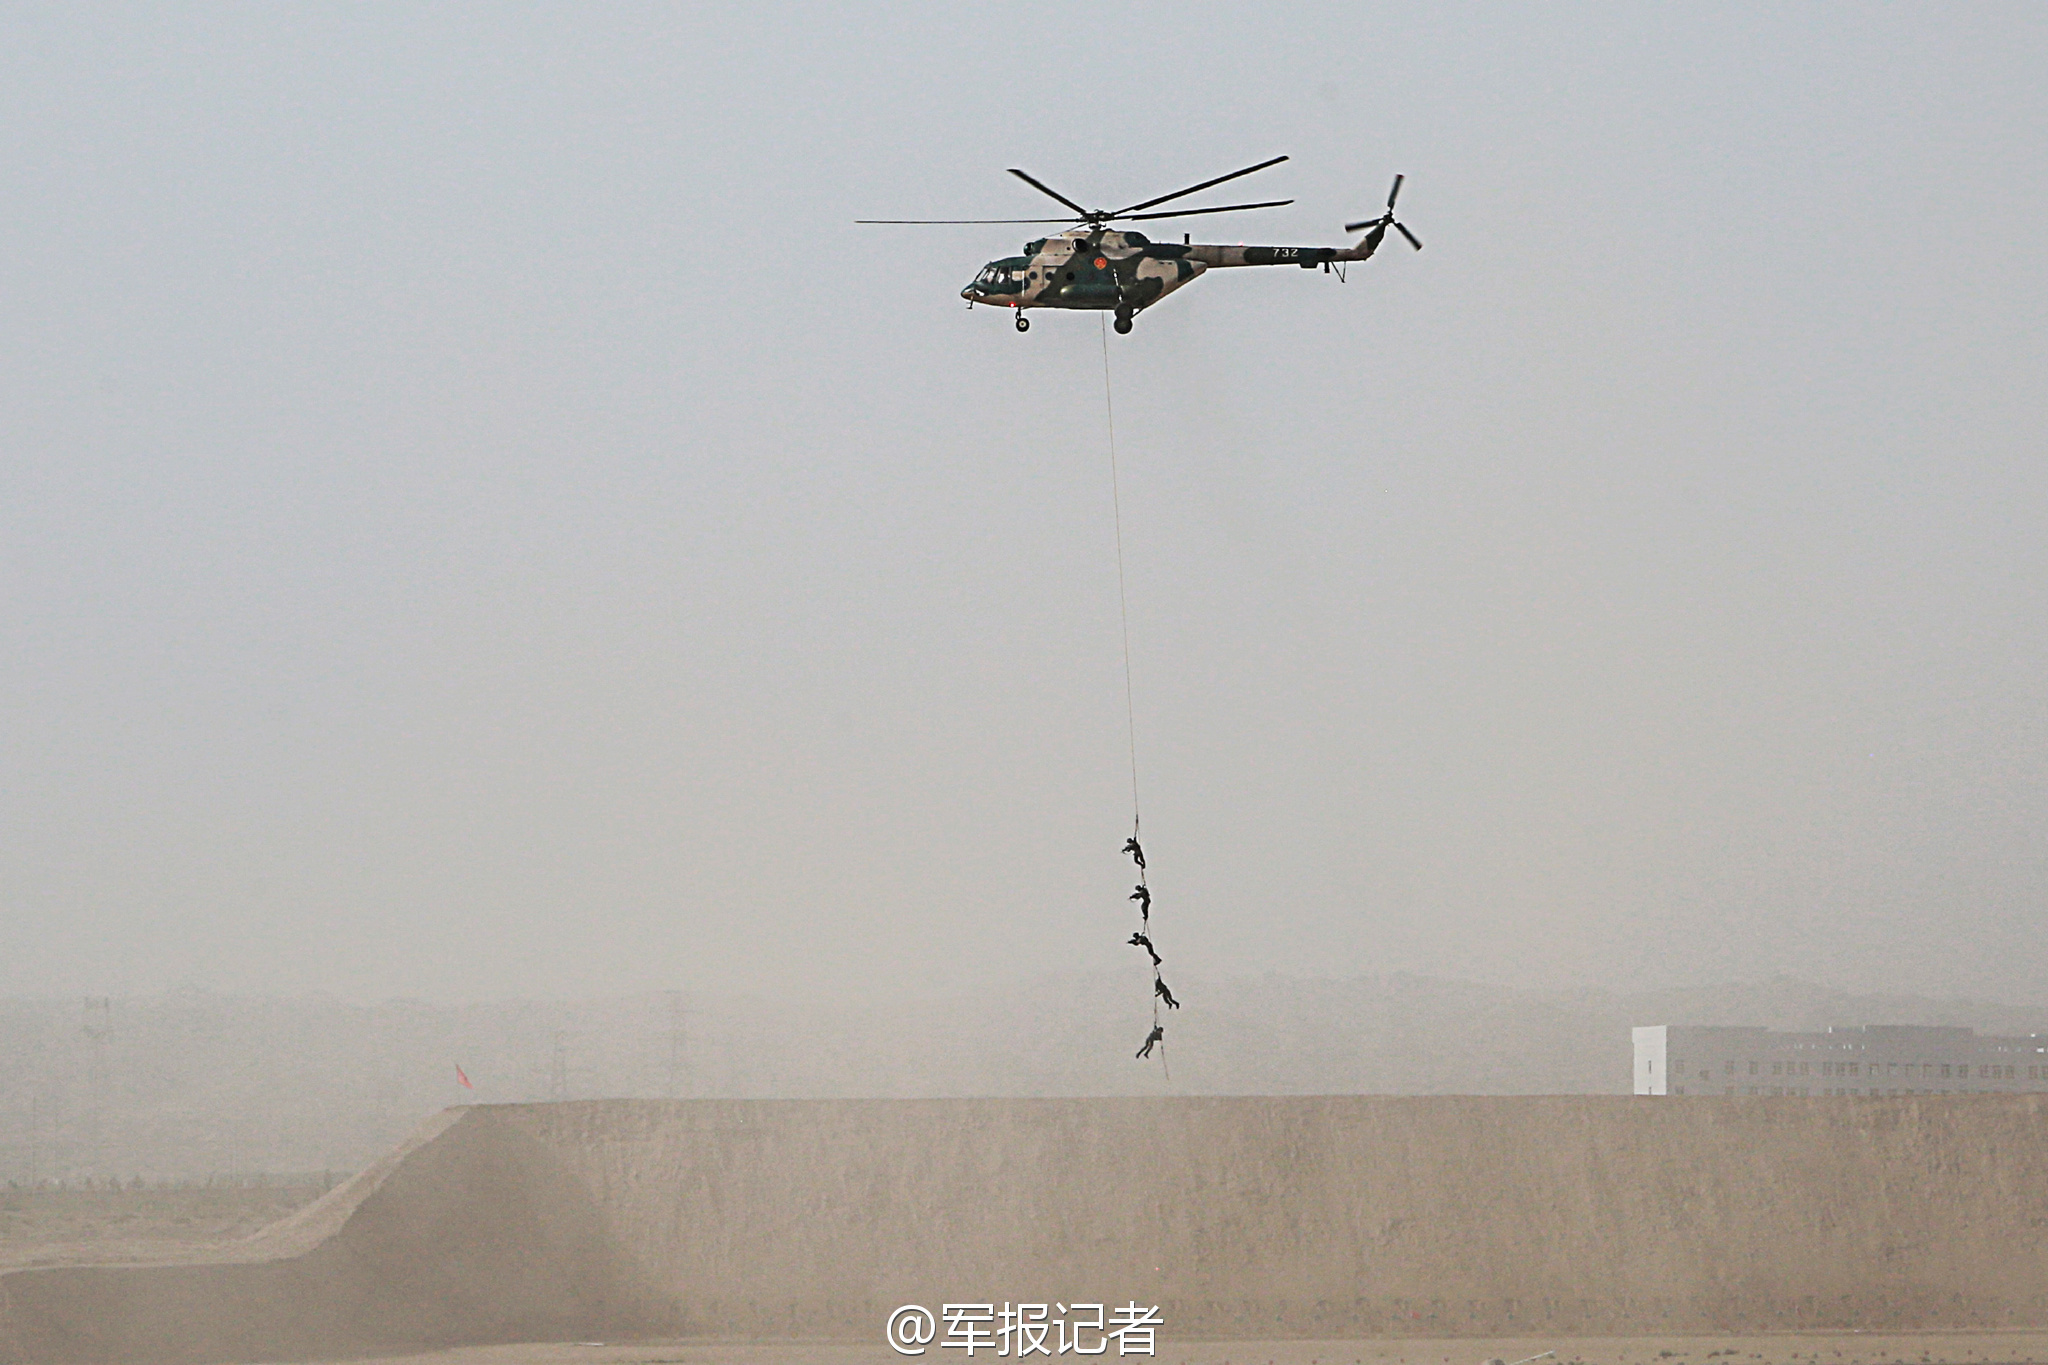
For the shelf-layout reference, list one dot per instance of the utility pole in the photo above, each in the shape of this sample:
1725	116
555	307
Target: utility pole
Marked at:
99	1022
558	1068
678	1040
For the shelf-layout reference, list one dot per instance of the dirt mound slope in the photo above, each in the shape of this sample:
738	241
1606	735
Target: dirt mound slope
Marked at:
1325	1217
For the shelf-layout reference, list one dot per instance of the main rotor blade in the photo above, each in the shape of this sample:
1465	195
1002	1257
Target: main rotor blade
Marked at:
1120	213
1409	235
1045	189
1394	193
941	222
1190	213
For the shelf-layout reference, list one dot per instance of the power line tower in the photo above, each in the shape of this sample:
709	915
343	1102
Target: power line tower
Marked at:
558	1068
678	1043
98	1024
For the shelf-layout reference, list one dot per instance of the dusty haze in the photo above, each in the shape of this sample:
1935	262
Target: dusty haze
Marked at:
193	1086
477	520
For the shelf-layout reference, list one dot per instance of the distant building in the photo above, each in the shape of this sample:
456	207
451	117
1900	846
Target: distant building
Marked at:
1874	1059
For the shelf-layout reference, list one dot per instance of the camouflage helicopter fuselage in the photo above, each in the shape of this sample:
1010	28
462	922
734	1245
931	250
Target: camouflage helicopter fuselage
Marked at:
1106	270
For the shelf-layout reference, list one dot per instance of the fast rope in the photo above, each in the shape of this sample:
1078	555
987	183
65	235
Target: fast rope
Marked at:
1142	893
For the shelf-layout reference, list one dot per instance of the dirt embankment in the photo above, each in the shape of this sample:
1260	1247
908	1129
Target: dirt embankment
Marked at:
1340	1217
92	1226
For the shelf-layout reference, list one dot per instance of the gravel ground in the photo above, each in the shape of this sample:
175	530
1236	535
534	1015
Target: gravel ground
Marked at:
1925	1348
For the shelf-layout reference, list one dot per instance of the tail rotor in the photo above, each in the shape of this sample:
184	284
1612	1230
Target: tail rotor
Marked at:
1376	228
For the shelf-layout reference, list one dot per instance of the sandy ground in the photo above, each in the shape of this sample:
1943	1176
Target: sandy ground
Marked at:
83	1227
1928	1348
56	1227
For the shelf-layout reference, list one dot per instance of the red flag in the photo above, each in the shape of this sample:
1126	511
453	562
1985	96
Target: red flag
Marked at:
463	1078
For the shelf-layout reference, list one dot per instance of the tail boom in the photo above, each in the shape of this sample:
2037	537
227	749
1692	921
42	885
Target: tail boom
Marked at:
1307	257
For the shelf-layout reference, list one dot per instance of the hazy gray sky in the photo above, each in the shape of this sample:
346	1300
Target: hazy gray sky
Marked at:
476	516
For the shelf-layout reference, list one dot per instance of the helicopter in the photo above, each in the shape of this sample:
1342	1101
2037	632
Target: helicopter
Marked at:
1094	267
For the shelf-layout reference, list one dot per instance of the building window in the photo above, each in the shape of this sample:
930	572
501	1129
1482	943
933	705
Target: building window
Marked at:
1752	1071
1728	1069
1944	1070
1803	1071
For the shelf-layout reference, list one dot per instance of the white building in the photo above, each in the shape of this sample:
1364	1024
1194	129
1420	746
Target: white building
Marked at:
1875	1059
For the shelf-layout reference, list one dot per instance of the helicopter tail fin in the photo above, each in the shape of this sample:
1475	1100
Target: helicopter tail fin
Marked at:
1369	243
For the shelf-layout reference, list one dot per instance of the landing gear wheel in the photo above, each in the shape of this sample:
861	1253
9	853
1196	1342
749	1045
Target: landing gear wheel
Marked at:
1122	324
1023	323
